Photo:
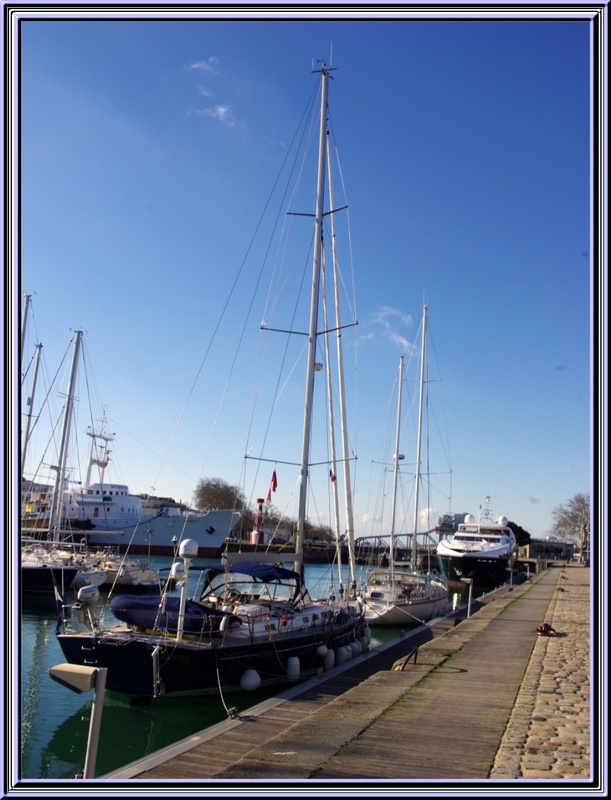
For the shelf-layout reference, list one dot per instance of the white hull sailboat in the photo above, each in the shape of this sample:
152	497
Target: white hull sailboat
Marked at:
253	623
45	566
401	593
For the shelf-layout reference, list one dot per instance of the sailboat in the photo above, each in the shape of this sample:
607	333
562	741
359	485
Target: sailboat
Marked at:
45	566
57	554
401	593
254	623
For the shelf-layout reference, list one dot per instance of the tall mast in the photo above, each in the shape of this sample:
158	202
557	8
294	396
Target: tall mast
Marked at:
30	399
30	404
100	456
56	503
397	458
419	447
342	389
313	328
26	310
333	453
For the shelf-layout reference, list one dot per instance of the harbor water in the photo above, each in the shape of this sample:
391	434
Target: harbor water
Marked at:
54	721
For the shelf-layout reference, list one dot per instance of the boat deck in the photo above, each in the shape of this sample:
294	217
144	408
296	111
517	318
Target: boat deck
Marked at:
451	702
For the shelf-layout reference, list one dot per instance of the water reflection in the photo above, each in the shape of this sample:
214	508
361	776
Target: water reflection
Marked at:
130	731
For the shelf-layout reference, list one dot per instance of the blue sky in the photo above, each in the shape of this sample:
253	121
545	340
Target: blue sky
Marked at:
148	152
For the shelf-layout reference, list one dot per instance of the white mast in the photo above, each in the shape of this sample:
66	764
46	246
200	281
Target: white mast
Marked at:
30	399
56	502
334	487
419	447
30	405
99	459
313	328
397	457
26	309
342	390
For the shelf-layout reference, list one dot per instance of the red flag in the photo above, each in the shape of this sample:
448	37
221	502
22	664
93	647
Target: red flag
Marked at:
274	485
332	476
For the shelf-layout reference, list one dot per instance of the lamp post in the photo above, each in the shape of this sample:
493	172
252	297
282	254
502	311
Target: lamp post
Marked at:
82	679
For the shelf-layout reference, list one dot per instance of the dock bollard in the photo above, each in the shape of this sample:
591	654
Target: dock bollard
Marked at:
469	581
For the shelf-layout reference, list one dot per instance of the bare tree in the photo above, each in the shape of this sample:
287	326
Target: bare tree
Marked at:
212	494
571	521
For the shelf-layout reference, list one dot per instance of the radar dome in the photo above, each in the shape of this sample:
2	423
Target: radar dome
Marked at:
188	549
469	518
178	571
502	520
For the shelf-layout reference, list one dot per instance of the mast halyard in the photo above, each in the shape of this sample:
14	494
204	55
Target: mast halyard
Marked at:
419	445
313	327
27	304
391	554
342	393
58	492
30	406
30	399
333	453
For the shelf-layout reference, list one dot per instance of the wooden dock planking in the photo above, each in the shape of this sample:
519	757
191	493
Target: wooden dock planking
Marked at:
373	723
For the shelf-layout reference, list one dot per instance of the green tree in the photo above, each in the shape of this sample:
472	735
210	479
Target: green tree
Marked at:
522	537
272	519
319	533
212	494
571	521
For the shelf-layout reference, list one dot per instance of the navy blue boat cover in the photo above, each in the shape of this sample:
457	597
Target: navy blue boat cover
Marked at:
262	572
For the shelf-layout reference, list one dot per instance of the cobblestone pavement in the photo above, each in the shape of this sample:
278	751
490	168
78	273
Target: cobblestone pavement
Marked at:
548	734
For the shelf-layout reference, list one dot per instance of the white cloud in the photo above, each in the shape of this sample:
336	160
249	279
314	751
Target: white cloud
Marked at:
209	64
219	112
222	113
385	314
387	322
427	518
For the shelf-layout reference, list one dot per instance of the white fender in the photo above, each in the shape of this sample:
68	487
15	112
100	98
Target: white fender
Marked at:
366	635
293	668
341	655
329	660
250	680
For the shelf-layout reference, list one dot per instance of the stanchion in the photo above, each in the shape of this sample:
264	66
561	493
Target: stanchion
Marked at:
81	679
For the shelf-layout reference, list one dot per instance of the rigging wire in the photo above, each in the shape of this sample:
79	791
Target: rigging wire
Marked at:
217	327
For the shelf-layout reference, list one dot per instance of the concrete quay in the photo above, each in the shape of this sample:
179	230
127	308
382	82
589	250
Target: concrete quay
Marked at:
484	700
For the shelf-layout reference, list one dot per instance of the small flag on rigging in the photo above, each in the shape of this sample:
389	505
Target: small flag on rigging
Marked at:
332	476
272	488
